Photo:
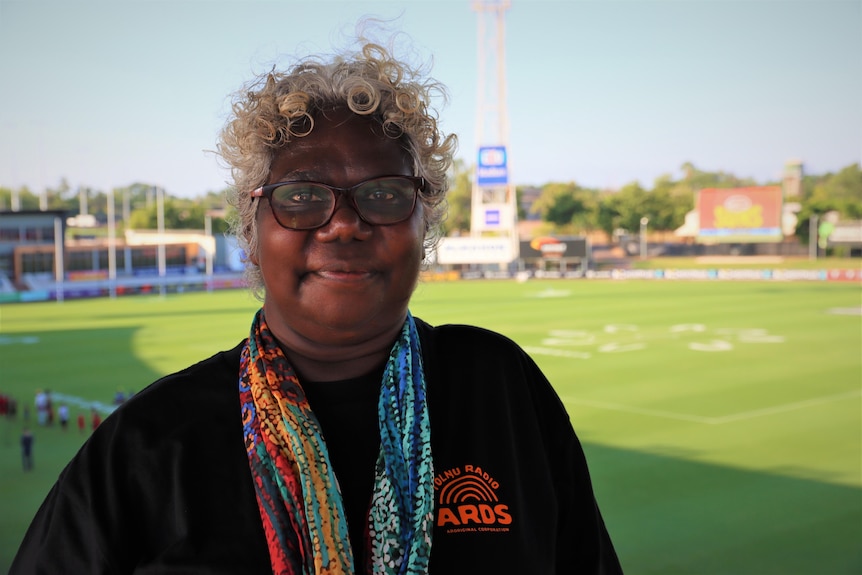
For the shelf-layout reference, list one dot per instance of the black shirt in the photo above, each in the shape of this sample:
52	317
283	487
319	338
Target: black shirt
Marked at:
163	485
347	413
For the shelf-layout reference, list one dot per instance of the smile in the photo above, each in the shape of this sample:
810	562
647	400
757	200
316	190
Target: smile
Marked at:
343	275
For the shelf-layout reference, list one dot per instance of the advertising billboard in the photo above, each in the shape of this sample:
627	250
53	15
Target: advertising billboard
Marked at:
550	247
740	215
492	166
475	251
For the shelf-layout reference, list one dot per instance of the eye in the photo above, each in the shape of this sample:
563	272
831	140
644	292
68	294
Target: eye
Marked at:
380	194
304	196
384	191
300	194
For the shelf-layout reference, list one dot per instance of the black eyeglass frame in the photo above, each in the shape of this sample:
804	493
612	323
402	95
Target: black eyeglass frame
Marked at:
267	190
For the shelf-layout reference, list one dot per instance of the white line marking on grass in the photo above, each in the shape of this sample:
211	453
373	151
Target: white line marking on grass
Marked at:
716	420
552	293
714	345
81	402
787	407
845	310
557	352
25	339
638	410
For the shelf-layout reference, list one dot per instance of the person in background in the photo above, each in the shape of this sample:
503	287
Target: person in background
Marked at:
27	449
342	434
63	415
49	408
95	418
41	402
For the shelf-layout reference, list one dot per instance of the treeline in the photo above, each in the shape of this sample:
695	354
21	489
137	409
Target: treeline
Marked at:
135	206
568	208
563	207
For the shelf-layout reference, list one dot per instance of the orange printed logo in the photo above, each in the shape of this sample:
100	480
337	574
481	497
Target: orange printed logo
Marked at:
467	501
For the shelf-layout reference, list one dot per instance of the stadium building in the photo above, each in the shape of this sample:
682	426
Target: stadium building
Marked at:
41	257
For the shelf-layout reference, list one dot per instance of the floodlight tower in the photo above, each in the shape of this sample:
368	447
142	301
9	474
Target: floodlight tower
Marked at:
494	210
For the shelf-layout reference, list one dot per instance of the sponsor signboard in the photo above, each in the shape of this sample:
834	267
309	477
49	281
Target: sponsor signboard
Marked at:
842	233
494	217
492	166
737	215
475	251
549	247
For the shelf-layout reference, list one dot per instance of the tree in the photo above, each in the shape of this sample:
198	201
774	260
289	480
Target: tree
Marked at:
674	200
623	210
841	192
568	207
27	200
176	216
62	197
632	206
459	199
609	213
179	213
698	180
845	186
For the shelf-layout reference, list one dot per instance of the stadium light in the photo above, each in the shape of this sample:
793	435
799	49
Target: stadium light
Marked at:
160	218
112	245
59	264
812	237
208	232
644	222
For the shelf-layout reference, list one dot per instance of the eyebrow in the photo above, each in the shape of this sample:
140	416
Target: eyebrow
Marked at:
298	176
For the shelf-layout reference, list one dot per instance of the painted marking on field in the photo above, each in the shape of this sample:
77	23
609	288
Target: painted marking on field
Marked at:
550	292
714	345
743	415
557	352
638	410
787	407
24	339
624	337
81	402
845	311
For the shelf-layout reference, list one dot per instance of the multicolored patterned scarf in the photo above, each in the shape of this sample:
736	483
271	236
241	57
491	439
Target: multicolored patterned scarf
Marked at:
297	493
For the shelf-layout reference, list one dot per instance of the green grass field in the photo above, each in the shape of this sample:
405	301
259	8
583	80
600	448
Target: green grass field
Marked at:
722	420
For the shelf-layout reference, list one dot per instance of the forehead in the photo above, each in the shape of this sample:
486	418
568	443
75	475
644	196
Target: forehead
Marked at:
343	148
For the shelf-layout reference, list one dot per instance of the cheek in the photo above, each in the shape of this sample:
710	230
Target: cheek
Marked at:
414	243
414	251
421	228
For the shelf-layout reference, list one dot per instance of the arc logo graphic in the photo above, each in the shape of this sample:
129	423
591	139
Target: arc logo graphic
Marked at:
467	501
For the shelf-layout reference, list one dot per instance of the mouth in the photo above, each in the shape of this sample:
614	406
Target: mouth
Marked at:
343	274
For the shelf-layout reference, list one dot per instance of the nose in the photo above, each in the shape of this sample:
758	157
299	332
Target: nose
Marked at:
345	223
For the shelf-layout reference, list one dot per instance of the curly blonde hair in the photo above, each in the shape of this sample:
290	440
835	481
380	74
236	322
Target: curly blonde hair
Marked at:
280	106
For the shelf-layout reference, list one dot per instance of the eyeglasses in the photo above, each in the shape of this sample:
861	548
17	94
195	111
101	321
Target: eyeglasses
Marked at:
309	205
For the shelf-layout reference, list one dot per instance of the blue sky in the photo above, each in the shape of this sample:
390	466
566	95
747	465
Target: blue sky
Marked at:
601	92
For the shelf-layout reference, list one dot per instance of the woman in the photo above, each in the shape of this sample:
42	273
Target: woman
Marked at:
343	435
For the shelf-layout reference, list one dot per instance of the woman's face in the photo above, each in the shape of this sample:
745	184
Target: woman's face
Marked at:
348	281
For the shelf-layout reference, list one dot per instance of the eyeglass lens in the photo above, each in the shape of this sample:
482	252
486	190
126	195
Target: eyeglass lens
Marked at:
307	205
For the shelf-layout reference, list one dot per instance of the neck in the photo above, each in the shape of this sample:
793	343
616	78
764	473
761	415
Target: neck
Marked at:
314	369
346	359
